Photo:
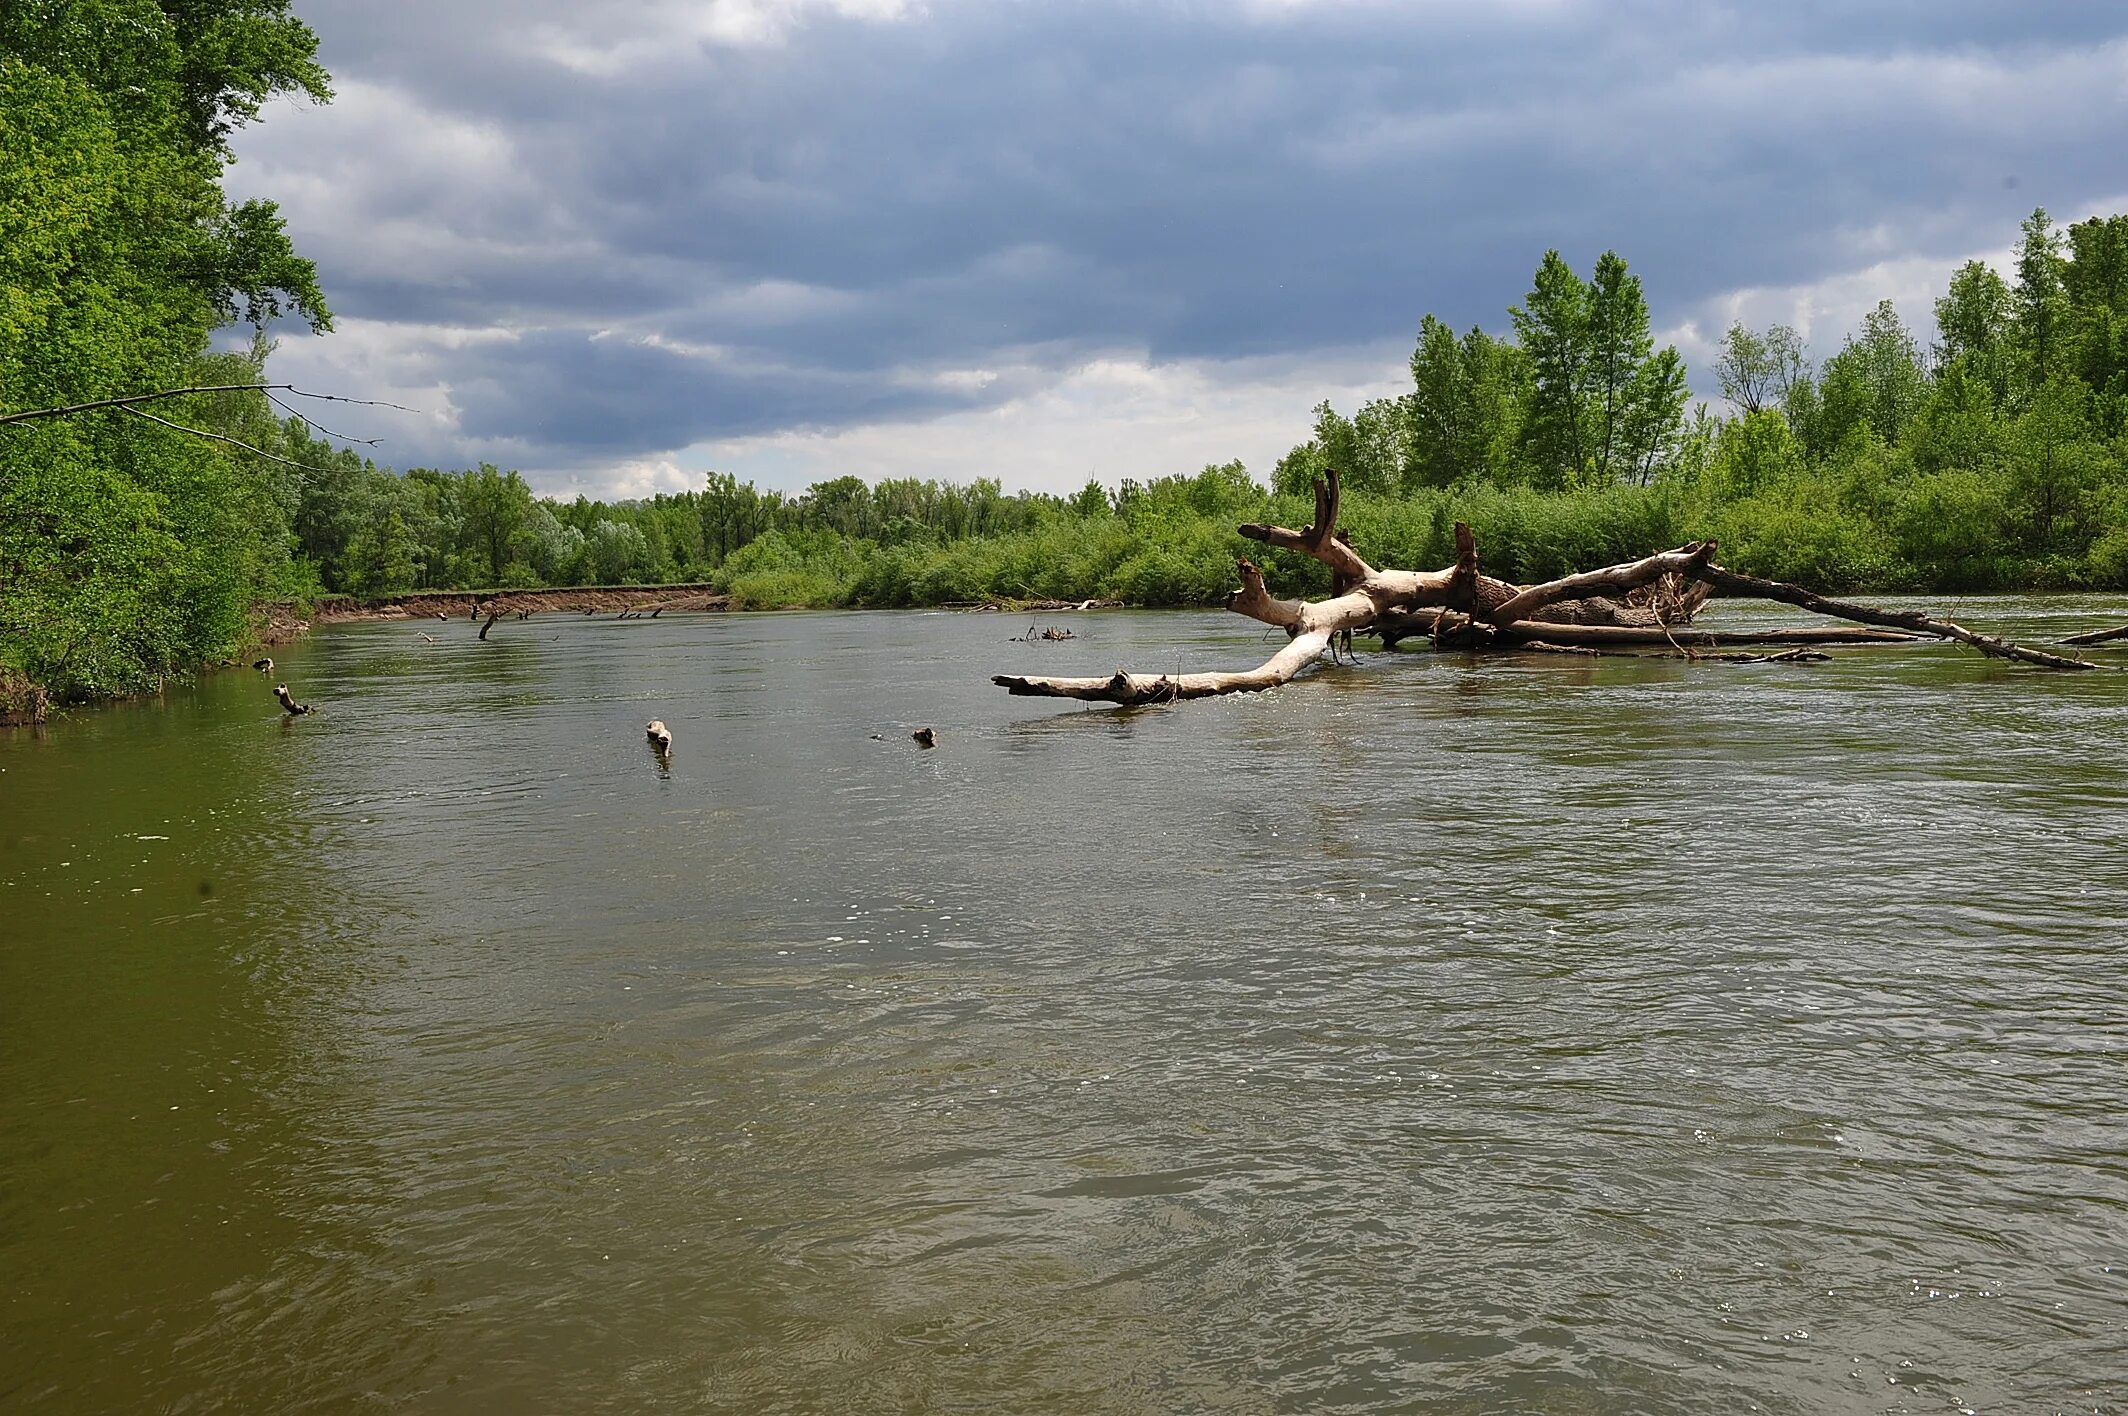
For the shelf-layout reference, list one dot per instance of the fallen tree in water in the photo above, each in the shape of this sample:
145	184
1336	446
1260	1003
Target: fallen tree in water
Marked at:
1637	603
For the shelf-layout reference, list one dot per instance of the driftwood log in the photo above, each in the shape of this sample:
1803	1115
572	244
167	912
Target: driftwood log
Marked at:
1634	603
1395	626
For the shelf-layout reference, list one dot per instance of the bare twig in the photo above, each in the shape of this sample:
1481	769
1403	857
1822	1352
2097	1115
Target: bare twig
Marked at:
217	437
126	400
317	426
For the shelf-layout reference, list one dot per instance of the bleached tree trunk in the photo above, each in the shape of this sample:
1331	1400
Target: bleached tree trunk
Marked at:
1482	610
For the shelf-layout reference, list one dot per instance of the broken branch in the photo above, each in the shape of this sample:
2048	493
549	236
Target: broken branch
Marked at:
1733	583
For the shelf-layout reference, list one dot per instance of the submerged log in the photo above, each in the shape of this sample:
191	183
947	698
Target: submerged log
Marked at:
288	701
2098	636
1468	607
1395	626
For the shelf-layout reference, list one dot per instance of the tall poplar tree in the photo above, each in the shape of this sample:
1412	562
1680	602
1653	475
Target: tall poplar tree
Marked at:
1604	404
1552	326
2039	304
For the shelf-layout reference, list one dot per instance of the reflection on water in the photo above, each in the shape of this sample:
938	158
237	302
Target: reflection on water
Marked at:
1451	1035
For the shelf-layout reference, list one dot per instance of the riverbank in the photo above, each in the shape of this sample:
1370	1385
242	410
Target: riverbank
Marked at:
698	597
283	622
280	622
26	703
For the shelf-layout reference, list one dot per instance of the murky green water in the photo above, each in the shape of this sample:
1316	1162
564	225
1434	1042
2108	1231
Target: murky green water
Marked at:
1448	1036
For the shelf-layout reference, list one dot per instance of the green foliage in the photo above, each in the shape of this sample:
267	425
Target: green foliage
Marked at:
129	550
1973	321
1552	324
1949	526
1604	405
380	557
1806	536
2039	304
1464	414
2002	463
1875	379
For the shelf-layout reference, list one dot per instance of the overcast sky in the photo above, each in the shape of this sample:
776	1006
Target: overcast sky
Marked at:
619	243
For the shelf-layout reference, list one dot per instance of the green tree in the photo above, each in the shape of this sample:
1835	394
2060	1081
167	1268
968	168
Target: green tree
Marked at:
1336	444
2039	304
2053	465
130	550
1463	413
1876	379
1755	453
1552	325
496	520
1745	369
1759	370
1605	404
380	557
1639	394
1380	445
620	554
1960	423
732	514
553	546
1973	325
1222	490
2095	280
1091	500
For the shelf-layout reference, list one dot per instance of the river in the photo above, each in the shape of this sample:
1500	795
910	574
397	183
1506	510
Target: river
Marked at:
1448	1035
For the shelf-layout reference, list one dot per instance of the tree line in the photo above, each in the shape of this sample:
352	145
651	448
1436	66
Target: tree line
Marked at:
1988	451
1994	456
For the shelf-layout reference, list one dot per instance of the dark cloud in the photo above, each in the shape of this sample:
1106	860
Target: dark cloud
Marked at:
842	206
618	397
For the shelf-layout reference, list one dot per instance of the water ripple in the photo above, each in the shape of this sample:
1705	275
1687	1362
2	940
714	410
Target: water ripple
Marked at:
1457	1035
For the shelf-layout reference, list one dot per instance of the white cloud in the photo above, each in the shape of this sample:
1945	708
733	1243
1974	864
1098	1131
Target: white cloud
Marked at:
660	34
636	479
909	239
1120	415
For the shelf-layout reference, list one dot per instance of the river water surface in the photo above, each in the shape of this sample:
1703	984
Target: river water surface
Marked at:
1448	1035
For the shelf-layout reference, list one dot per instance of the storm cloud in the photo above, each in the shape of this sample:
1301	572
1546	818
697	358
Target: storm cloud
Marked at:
793	239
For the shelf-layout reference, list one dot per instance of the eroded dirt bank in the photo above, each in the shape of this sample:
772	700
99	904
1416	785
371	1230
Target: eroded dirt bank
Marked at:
283	624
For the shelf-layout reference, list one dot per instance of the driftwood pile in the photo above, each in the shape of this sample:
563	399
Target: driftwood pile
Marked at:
1638	604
